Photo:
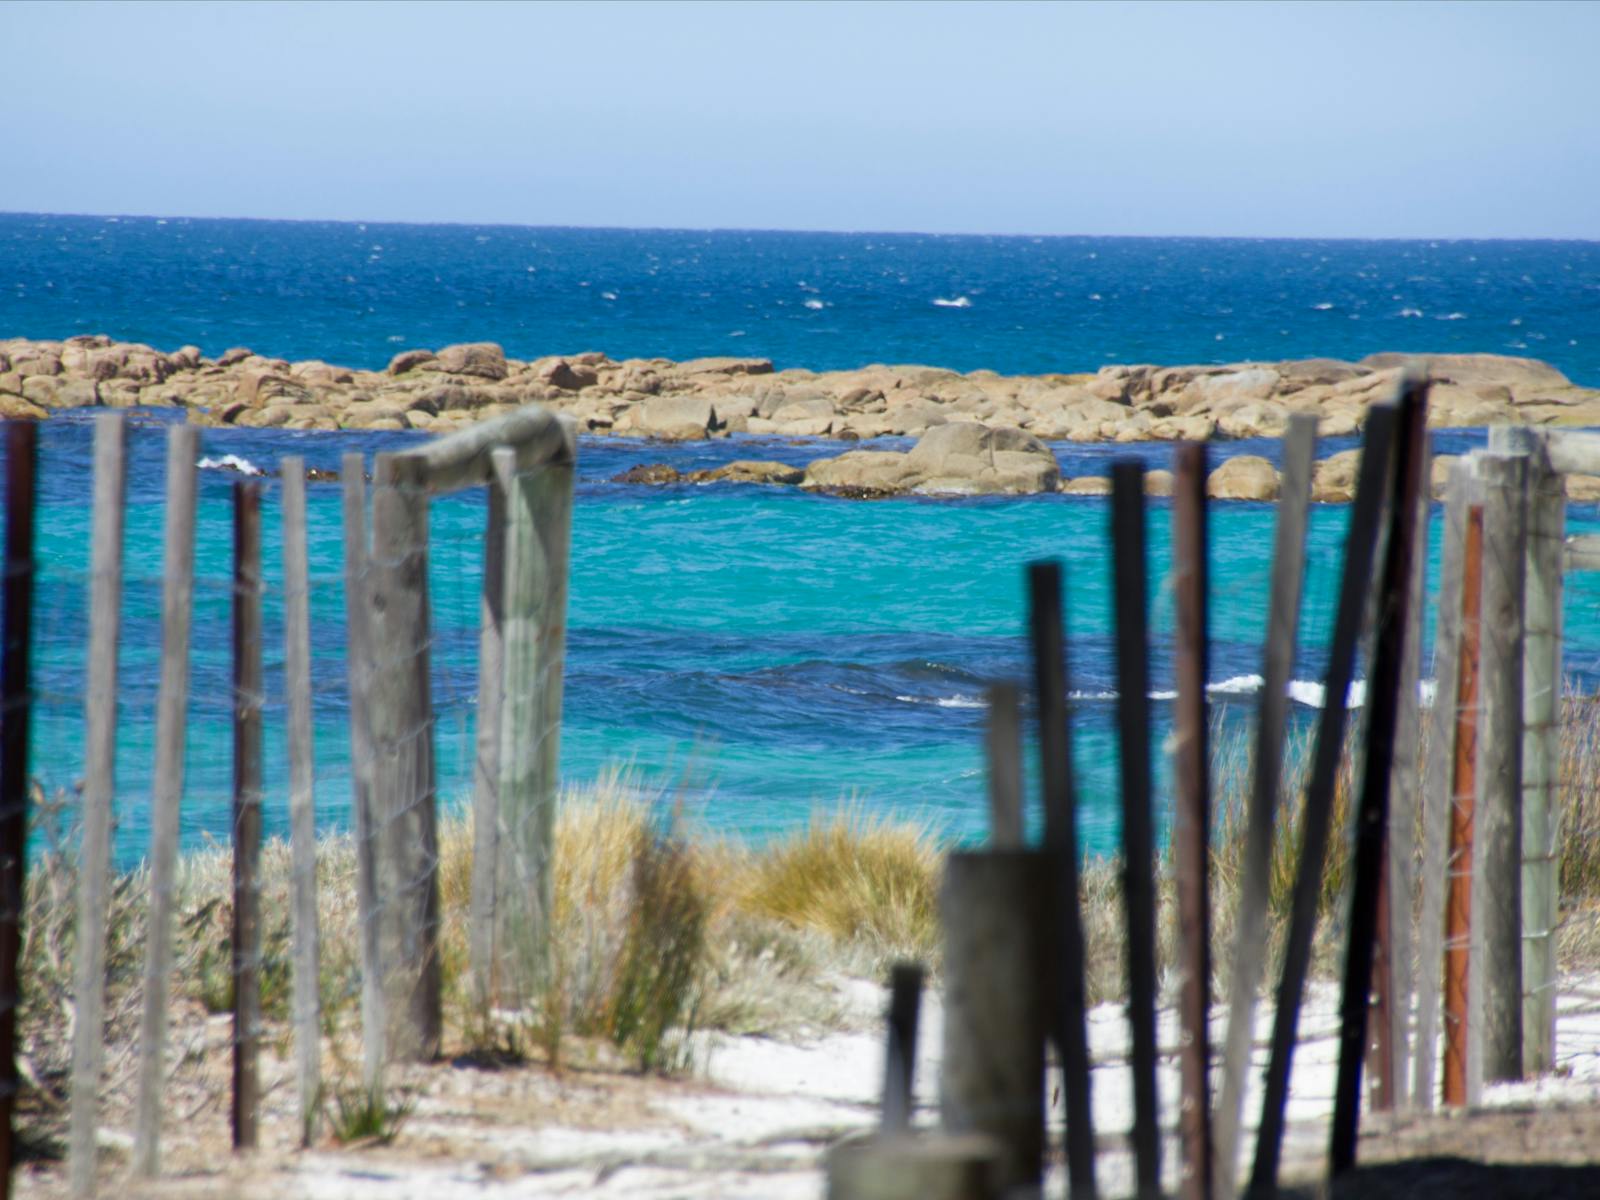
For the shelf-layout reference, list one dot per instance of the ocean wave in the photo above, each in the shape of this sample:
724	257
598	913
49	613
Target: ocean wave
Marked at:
948	302
1323	307
1452	317
815	303
230	462
1410	312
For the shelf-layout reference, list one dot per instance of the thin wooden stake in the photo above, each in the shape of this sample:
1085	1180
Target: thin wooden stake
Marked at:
177	608
1067	1018
900	1057
100	736
1138	829
247	703
16	632
358	657
1191	816
307	1009
1497	906
1283	626
486	766
1005	767
1463	810
1437	796
1371	486
1372	817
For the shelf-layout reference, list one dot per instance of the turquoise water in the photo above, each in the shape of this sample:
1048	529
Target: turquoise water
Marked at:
754	653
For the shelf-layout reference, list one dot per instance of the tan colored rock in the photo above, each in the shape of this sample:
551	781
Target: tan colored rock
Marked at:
1260	418
234	355
1333	479
963	456
409	360
568	376
1158	482
1246	477
676	418
750	471
1584	489
1439	475
486	360
13	407
1087	485
725	366
869	471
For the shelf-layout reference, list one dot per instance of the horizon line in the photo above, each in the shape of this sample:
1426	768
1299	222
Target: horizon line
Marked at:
749	229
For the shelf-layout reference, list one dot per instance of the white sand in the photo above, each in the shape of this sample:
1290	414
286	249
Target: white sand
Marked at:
761	1112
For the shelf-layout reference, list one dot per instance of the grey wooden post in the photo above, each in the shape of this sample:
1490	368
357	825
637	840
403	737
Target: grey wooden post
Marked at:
538	523
358	660
486	765
100	737
1004	744
400	712
1541	740
994	907
907	1167
1404	786
1250	946
1497	853
302	795
172	710
1437	791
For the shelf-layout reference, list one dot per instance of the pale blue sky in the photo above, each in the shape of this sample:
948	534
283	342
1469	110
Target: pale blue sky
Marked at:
1439	119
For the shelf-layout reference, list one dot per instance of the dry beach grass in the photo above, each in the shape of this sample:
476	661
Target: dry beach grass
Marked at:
656	935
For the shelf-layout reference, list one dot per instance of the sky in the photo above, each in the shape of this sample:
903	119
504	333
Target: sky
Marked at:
1209	119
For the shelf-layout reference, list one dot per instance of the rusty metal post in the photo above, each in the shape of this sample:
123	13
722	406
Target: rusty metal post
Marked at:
1191	820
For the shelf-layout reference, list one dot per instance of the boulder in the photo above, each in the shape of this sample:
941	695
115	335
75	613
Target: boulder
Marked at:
1333	480
1259	418
1247	477
559	373
750	471
869	472
649	473
676	418
486	360
726	366
234	355
1158	483
409	360
963	456
16	408
1087	485
1585	489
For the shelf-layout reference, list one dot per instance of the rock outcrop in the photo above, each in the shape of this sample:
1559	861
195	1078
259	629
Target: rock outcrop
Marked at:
439	389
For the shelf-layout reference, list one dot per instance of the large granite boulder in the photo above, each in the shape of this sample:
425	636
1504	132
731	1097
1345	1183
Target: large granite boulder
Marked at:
868	472
486	360
1247	477
963	456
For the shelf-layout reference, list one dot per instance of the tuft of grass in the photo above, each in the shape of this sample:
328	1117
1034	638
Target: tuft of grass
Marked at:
362	1115
1579	799
854	878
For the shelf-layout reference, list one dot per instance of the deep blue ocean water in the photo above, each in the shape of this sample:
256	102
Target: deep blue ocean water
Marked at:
754	653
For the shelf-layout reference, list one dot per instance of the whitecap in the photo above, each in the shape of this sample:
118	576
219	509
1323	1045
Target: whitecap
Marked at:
230	462
1237	684
956	302
1323	307
946	701
814	304
608	295
396	337
1410	312
1304	691
1094	295
1454	317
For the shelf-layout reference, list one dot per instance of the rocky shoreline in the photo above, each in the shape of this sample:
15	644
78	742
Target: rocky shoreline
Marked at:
978	432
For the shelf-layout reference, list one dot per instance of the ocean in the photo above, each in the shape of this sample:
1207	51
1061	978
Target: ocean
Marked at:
750	655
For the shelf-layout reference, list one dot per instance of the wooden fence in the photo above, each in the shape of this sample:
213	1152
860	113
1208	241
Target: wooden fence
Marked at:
1015	957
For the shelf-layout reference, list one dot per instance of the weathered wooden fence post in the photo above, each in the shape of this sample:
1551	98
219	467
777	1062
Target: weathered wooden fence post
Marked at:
1004	742
1283	626
1497	873
1067	1019
358	658
486	763
22	440
1132	594
400	714
538	516
1458	1006
177	608
307	1013
1369	859
248	700
100	737
1191	815
900	1051
994	907
1438	797
1372	486
1541	738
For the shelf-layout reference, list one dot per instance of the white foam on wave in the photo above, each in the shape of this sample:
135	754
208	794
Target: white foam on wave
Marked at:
1237	685
230	462
952	302
814	303
1323	307
1410	312
1453	317
947	701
